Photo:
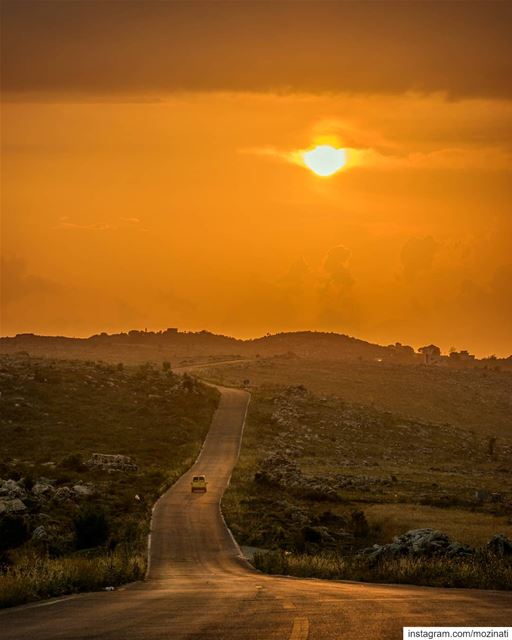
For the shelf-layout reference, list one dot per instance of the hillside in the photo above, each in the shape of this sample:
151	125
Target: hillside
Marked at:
470	398
187	347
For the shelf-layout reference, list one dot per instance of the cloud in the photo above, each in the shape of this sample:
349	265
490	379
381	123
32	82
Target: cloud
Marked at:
418	255
123	223
95	226
17	283
149	47
469	158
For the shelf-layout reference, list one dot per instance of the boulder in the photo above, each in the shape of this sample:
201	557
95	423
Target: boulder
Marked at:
12	505
12	489
500	545
43	490
419	543
40	534
63	494
84	490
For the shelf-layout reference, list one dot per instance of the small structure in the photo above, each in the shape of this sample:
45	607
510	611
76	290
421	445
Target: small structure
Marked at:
432	353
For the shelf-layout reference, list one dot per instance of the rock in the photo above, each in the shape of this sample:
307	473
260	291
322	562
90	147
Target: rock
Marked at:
11	489
12	505
40	534
63	494
500	545
84	490
43	490
112	462
425	543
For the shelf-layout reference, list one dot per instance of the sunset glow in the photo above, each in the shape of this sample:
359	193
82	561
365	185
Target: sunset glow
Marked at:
325	160
215	192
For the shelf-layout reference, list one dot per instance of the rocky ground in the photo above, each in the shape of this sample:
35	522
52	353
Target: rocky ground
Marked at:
314	467
90	445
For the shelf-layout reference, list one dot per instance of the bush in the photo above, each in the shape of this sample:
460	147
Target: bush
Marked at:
13	532
91	527
73	462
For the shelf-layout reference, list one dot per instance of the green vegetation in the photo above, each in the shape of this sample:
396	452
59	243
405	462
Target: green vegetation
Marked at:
69	524
320	479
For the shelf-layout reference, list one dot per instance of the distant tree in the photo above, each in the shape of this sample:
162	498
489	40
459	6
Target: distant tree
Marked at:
166	365
120	366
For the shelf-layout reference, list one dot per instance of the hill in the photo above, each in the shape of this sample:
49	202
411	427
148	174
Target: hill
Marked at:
187	347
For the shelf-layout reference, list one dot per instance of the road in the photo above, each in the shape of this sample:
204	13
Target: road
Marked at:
199	586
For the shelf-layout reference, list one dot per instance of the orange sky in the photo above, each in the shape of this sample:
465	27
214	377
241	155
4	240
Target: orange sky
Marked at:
147	178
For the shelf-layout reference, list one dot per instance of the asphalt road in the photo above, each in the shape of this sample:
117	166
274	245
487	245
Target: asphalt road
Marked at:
200	587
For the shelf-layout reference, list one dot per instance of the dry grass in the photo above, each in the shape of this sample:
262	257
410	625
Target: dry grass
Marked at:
466	527
481	572
470	398
34	577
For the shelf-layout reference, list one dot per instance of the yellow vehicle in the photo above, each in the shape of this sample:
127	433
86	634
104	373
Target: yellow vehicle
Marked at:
198	484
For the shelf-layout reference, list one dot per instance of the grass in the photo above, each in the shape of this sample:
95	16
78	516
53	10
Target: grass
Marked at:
400	473
34	577
470	398
54	415
482	572
470	527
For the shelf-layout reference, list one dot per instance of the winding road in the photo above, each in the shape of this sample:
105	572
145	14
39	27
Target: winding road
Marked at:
199	586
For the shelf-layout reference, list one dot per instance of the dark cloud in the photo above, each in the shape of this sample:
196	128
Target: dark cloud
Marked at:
145	46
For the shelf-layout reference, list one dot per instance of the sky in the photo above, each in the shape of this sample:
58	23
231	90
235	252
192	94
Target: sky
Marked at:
152	171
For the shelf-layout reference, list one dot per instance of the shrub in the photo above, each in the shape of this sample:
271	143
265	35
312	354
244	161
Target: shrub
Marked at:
91	527
73	462
13	532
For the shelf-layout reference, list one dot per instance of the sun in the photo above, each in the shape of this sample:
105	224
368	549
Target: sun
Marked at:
325	160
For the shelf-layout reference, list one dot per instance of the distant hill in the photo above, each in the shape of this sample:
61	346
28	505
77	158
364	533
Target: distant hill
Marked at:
137	346
182	347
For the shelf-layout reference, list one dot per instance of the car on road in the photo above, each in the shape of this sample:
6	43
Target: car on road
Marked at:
198	484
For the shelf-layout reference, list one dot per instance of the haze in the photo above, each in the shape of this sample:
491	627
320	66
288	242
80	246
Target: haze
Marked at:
149	175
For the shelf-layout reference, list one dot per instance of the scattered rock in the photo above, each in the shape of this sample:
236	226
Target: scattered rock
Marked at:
419	543
12	505
112	462
43	490
11	489
63	494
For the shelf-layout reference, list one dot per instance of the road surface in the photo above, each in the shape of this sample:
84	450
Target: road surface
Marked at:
199	586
